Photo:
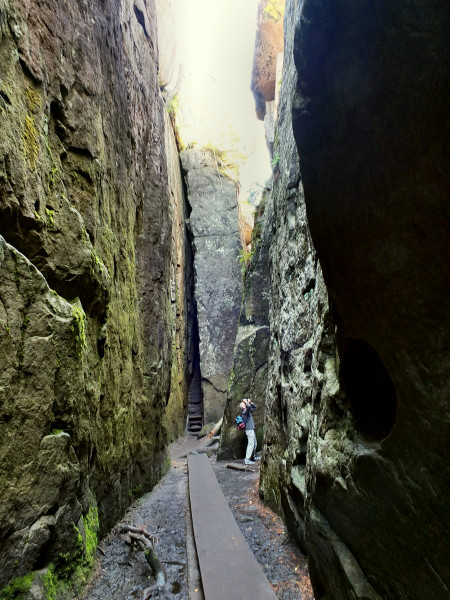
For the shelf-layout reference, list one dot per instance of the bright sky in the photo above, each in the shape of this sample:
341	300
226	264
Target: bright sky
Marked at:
215	44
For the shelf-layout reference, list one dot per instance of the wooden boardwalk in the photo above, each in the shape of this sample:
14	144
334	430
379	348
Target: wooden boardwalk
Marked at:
229	569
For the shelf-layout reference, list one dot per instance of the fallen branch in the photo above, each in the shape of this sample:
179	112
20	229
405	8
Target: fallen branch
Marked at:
145	541
141	531
215	430
238	467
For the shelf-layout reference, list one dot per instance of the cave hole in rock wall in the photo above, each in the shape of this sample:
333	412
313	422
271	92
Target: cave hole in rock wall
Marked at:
369	388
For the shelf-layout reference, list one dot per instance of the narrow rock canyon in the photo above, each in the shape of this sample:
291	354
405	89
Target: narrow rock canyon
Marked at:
128	279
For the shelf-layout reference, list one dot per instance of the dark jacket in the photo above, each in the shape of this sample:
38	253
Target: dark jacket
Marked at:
247	416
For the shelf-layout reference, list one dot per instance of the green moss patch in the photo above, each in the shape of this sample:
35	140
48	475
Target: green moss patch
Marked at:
18	587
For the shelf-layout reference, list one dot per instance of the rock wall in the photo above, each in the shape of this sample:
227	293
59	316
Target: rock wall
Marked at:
249	373
357	385
302	359
92	307
214	230
372	113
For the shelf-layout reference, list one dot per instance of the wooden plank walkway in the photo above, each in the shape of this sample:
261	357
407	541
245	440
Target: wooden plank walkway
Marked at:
228	567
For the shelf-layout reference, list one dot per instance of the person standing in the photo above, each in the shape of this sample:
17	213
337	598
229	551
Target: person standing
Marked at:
247	407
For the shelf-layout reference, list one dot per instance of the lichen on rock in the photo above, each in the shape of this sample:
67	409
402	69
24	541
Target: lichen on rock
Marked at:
93	306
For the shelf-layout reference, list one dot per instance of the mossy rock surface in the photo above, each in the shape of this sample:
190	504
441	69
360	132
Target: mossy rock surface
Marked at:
94	348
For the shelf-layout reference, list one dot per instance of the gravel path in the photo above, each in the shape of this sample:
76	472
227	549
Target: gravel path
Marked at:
123	573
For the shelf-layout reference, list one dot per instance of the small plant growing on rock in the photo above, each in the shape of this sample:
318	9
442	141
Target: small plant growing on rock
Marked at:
245	257
274	10
227	161
275	162
172	105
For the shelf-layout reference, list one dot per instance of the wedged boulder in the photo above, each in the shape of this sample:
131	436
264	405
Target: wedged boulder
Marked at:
214	229
268	45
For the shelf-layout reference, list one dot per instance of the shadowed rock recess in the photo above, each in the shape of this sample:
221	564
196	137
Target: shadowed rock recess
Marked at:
93	336
356	422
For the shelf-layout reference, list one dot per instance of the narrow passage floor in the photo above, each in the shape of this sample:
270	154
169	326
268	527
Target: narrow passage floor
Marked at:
123	573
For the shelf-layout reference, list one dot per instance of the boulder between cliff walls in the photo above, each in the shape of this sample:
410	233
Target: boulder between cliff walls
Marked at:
214	230
268	45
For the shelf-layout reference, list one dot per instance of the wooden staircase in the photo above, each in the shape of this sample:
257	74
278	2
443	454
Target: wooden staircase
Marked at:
195	405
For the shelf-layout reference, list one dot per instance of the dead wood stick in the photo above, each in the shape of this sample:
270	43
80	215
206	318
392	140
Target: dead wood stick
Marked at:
238	467
144	539
215	430
212	441
141	531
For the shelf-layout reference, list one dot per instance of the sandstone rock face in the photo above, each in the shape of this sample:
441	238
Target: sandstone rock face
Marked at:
302	361
43	342
357	391
268	44
92	304
249	373
181	317
372	113
214	228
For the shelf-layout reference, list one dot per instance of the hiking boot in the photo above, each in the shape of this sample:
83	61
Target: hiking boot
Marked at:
249	462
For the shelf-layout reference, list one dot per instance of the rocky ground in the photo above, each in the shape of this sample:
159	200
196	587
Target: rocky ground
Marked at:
122	573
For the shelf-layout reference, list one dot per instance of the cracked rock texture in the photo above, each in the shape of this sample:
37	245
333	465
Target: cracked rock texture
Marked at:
358	385
372	113
251	347
214	229
93	360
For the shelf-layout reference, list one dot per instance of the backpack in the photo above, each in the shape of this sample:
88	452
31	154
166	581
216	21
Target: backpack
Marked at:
240	422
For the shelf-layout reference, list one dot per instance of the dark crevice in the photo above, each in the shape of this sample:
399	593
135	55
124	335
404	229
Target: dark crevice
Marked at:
141	19
5	97
28	72
81	151
308	360
369	388
309	287
59	119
